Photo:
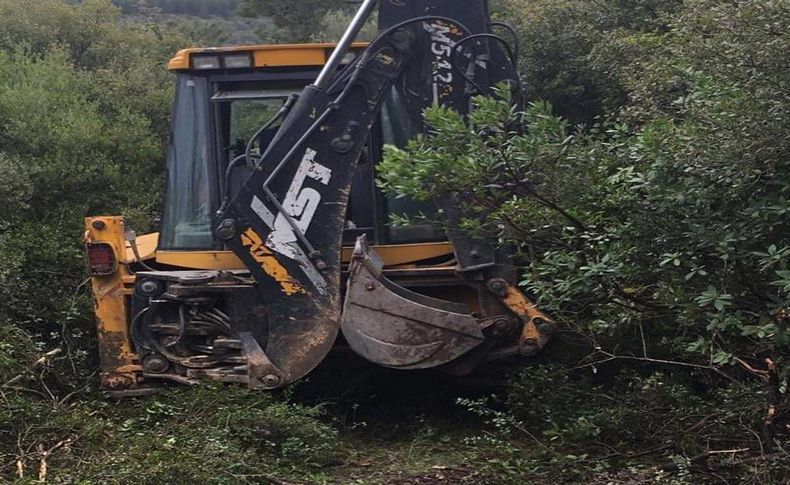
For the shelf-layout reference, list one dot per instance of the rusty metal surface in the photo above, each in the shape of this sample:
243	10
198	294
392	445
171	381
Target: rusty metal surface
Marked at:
394	327
538	327
117	380
110	305
262	374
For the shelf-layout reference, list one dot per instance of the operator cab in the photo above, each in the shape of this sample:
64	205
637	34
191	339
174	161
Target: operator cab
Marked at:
223	98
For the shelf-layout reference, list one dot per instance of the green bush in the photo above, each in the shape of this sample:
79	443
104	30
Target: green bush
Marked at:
17	352
665	236
85	105
297	21
655	231
558	424
335	22
659	235
576	54
211	433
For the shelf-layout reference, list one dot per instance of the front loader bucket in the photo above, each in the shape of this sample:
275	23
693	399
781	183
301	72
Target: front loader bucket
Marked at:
395	327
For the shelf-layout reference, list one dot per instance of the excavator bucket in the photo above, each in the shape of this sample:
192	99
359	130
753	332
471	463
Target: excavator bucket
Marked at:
395	327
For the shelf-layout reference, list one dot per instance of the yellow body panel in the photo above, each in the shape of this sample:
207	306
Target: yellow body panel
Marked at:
393	256
282	55
146	246
117	360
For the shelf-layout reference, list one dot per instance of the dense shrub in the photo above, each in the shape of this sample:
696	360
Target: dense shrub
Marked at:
575	53
298	21
85	105
655	230
207	435
660	236
334	23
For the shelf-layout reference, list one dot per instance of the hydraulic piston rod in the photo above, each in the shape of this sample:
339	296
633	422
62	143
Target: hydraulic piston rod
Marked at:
362	15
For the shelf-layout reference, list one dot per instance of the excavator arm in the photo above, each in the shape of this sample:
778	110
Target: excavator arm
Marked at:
287	220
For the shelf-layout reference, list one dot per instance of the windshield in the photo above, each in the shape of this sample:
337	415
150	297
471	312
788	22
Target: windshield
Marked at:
193	184
243	113
191	196
212	126
246	114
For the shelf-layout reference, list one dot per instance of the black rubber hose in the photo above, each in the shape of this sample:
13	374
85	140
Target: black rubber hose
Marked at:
136	252
133	328
516	47
473	37
151	343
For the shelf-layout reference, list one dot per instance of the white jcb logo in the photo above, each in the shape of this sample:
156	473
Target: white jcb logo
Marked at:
301	204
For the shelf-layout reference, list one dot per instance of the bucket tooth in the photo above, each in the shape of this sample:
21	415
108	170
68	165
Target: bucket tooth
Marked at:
395	327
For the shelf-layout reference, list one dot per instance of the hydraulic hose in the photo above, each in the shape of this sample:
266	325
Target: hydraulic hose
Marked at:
131	236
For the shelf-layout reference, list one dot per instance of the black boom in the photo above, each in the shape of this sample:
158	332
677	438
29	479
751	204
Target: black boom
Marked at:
286	223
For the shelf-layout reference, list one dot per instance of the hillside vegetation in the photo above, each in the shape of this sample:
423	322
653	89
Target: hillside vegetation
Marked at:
232	22
648	197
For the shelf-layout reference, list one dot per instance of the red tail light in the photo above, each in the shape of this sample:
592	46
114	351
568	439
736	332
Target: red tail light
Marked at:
101	259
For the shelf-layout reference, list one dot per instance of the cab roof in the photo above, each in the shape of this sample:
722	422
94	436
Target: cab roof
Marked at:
275	55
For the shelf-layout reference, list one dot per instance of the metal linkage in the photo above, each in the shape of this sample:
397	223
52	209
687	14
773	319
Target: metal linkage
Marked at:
333	106
457	48
362	15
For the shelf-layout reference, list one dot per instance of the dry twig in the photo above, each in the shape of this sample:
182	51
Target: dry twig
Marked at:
45	453
44	359
609	357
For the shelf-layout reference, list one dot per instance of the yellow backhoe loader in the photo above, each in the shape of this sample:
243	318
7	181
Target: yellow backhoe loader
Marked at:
275	244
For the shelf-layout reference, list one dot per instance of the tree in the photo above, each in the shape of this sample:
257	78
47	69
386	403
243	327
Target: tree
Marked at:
566	49
300	20
334	23
661	234
85	104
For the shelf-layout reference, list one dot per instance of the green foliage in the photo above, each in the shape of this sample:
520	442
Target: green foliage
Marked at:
85	106
198	8
214	434
214	31
575	53
299	21
333	25
659	236
573	426
669	219
206	23
17	352
657	232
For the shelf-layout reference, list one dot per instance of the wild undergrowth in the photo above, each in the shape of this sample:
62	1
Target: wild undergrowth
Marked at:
645	186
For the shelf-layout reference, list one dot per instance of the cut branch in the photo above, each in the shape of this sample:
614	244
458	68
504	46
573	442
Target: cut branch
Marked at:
43	360
609	357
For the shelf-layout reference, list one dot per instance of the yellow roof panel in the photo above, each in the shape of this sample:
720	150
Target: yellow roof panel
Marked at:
275	55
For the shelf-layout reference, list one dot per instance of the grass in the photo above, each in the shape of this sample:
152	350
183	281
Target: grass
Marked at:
373	426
